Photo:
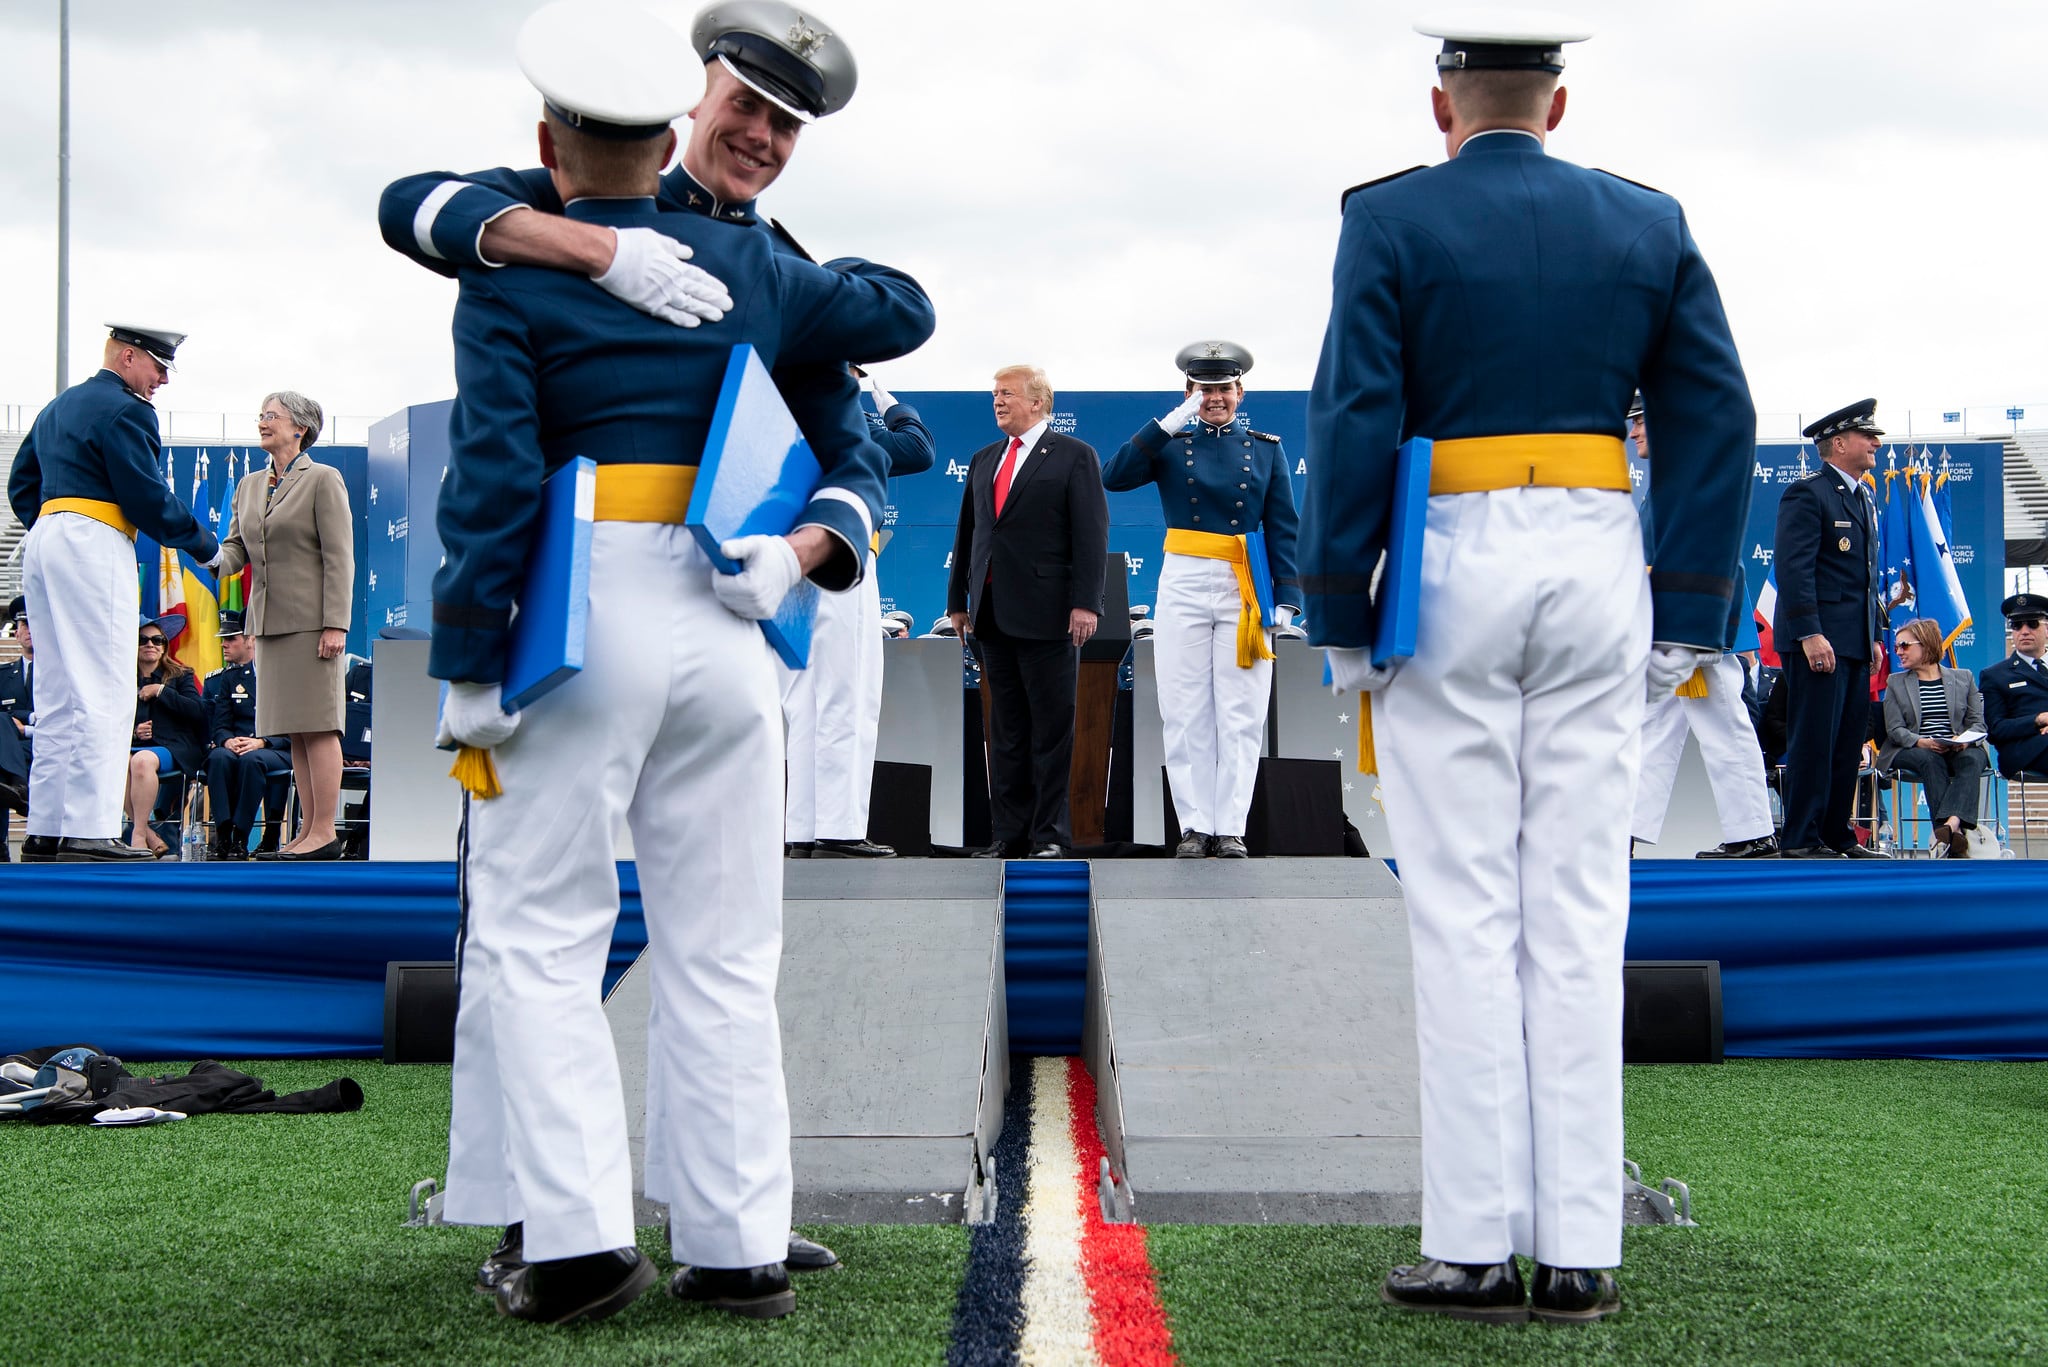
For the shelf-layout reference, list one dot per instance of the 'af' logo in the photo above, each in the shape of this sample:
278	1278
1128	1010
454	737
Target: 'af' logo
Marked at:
956	470
1137	562
1762	554
949	561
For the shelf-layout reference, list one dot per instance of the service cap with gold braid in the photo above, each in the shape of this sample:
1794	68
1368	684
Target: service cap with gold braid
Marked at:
1860	416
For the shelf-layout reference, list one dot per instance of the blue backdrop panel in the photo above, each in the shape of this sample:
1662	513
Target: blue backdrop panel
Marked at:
407	457
1045	953
1861	960
227	960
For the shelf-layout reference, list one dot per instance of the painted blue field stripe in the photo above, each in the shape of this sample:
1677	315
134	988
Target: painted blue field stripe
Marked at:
988	1315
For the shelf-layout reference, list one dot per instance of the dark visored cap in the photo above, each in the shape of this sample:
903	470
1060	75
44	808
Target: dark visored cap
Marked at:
1213	362
1860	416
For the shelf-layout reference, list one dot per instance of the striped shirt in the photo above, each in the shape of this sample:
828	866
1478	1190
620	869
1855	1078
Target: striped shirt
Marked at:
1934	719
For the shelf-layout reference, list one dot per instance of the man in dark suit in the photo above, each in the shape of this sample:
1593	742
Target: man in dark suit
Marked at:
17	708
1827	626
2015	689
244	771
1026	590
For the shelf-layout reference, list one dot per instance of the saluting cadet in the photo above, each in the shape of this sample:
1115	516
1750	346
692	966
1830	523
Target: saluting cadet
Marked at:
770	69
1709	705
87	476
834	705
2016	690
1506	303
244	771
1829	621
1218	483
672	726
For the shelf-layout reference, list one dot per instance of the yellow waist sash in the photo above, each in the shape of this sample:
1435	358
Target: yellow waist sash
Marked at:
644	493
96	509
1551	460
1251	631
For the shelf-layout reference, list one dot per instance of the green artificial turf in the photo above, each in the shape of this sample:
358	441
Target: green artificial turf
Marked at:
279	1239
1851	1212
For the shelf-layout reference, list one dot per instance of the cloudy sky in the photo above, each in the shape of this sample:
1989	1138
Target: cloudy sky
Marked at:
1081	184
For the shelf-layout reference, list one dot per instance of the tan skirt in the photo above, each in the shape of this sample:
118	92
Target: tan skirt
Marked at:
296	690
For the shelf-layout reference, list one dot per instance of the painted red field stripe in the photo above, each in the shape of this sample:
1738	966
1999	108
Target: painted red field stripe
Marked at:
1130	1323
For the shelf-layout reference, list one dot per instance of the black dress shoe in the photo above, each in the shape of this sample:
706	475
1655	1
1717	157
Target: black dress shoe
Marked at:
1193	845
73	850
1860	852
1810	852
1465	1291
508	1257
331	850
760	1293
999	850
1573	1295
805	1256
39	849
563	1290
14	795
1228	847
851	849
1047	852
798	849
1763	847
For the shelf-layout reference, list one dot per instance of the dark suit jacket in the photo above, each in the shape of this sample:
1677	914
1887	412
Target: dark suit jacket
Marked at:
2015	694
1046	550
1824	586
179	720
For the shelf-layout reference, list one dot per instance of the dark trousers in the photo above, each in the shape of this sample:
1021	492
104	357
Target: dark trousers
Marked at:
1826	716
1951	781
238	784
1031	733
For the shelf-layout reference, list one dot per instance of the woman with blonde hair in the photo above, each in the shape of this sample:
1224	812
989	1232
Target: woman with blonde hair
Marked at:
1927	705
292	527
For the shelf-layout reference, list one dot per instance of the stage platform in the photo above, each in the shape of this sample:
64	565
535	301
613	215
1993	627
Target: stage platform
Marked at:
895	1040
1251	1029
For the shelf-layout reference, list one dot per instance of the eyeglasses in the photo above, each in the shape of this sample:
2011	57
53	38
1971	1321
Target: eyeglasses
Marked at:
270	415
153	642
2026	624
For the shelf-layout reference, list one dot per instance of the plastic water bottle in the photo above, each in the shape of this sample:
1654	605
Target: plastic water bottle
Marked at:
192	848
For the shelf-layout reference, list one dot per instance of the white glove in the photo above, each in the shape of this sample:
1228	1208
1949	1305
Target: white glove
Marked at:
1672	665
1182	416
1352	671
768	571
1283	617
884	400
219	553
651	271
474	715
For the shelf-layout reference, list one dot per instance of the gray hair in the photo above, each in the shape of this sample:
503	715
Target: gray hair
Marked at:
303	412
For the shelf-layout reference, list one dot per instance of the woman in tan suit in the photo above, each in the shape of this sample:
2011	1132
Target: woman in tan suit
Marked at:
294	530
1927	705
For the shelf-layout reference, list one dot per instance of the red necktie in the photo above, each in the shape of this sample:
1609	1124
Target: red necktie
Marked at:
1005	472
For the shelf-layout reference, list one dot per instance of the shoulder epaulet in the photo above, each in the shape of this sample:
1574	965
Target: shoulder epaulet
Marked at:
1381	181
775	226
1625	180
1263	436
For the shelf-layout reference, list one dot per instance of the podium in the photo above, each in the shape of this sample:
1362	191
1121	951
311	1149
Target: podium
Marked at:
1095	705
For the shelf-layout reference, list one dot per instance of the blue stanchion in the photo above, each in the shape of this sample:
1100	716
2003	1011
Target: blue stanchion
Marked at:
1045	953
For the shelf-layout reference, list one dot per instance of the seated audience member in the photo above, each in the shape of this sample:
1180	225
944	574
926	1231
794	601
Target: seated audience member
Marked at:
170	721
243	770
17	717
355	757
2016	690
1926	706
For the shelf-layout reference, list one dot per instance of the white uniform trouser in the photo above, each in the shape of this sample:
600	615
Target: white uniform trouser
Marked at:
1212	714
1735	765
1508	750
672	724
834	711
84	598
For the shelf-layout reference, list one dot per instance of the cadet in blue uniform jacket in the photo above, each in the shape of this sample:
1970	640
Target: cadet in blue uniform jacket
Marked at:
2016	690
1507	304
1828	621
87	476
1218	482
17	714
244	771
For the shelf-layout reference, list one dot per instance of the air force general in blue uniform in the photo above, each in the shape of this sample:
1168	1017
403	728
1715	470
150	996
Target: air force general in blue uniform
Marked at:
1218	483
86	478
672	728
1507	304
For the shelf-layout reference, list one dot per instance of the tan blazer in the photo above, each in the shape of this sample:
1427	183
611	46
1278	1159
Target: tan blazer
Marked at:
301	548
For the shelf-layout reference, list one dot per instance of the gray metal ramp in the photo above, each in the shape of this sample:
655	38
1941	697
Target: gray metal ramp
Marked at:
894	1039
1251	1027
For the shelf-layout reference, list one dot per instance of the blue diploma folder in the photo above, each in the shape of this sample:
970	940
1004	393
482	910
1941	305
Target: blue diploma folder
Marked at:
756	478
545	648
1401	581
1262	575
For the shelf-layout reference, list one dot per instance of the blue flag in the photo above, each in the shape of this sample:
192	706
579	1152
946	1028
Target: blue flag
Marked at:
1895	539
1937	589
